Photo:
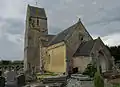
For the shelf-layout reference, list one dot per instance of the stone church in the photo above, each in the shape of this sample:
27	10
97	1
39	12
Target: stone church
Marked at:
71	48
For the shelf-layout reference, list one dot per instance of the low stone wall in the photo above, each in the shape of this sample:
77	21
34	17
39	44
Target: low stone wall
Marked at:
76	83
84	81
78	80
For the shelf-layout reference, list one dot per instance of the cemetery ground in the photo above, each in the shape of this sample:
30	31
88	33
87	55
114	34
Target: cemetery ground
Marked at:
49	79
110	79
76	80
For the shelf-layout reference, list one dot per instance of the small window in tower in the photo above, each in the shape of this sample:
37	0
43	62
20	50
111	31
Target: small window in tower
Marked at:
37	22
29	19
81	38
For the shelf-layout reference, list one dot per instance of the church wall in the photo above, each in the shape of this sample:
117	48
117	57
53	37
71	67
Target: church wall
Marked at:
25	60
81	62
26	41
84	33
100	46
44	58
43	24
33	53
102	61
108	55
72	44
79	35
57	58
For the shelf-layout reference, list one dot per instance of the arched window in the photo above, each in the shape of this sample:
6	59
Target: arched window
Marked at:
49	59
30	19
80	37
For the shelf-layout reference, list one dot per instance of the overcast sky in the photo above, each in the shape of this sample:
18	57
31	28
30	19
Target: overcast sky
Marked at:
100	17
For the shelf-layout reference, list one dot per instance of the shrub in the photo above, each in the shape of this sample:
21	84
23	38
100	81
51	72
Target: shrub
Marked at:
98	80
90	70
117	85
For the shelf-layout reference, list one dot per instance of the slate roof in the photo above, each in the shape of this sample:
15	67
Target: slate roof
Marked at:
49	38
85	48
37	12
62	36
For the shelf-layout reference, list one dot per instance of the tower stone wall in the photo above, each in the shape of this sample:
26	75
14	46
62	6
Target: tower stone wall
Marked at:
36	27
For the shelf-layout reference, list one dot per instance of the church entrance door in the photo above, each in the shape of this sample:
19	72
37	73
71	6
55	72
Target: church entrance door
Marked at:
75	70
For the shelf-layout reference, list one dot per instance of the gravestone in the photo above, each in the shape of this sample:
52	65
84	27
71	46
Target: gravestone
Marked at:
2	81
21	80
11	80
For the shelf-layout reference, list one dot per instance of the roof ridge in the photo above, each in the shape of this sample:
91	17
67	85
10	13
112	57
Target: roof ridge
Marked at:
35	6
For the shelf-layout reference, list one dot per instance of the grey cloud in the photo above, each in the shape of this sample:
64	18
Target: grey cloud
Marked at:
13	26
54	30
108	24
9	50
110	16
103	30
101	18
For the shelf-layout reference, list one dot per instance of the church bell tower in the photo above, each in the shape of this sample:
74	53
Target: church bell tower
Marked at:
36	27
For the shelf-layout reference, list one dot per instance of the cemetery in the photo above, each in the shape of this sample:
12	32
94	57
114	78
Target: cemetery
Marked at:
49	79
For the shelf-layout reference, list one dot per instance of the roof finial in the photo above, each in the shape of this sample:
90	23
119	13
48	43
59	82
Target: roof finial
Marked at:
79	20
99	37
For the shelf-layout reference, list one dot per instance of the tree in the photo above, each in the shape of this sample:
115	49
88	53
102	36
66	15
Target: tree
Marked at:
98	80
90	70
6	62
115	52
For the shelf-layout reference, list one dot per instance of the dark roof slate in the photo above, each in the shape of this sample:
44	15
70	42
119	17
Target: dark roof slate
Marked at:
85	48
49	38
62	36
37	12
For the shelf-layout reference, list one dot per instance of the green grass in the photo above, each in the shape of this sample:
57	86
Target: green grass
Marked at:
117	85
47	74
